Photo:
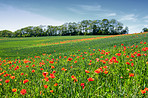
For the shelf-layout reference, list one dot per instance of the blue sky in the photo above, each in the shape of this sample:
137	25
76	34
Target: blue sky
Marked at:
16	14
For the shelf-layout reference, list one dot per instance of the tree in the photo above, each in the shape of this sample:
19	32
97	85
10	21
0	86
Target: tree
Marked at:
145	29
6	33
84	27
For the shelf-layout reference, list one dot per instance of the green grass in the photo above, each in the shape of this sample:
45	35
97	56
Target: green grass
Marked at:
118	75
9	47
24	47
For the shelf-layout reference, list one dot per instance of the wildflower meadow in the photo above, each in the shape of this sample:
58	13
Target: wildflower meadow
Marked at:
76	67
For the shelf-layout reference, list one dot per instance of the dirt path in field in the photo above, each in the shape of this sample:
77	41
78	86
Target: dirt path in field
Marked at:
85	39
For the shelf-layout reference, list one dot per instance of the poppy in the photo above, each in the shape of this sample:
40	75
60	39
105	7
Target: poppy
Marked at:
132	64
118	54
45	74
90	79
7	81
75	62
14	90
82	84
56	84
69	59
33	70
106	72
45	86
12	77
143	91
51	91
138	54
146	89
51	76
74	78
22	73
86	71
131	74
25	81
23	92
127	63
97	71
52	67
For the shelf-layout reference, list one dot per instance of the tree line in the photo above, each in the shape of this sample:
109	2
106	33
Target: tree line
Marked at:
85	27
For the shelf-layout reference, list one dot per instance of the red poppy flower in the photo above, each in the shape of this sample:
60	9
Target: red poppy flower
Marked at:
106	72
69	59
45	86
138	54
54	71
41	69
97	71
56	84
25	81
127	63
7	81
146	89
14	90
22	73
131	74
74	78
105	67
33	65
51	62
52	67
27	66
118	54
132	64
51	91
86	71
23	92
33	70
51	76
45	74
12	77
143	91
90	79
75	61
82	84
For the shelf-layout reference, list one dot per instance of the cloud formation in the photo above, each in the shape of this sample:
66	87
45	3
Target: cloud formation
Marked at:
17	18
129	17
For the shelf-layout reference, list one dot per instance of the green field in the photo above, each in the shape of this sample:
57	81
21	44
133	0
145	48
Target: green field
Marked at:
108	67
9	47
24	47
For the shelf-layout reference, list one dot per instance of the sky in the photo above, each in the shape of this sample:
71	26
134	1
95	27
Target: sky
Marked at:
16	14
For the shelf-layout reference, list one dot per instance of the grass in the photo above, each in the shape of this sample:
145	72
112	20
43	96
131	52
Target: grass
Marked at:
108	67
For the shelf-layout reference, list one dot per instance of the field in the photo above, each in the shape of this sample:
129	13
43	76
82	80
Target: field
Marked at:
74	66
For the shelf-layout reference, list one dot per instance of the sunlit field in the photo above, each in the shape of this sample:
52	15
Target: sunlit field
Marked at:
74	66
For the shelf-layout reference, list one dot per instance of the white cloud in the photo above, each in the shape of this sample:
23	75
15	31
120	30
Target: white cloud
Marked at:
145	20
131	17
90	7
12	18
87	9
76	11
146	17
112	14
135	28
